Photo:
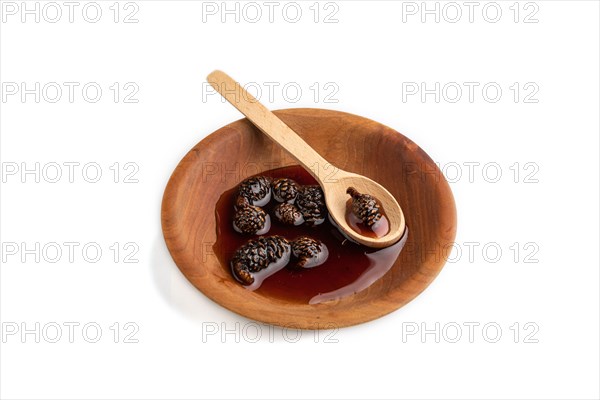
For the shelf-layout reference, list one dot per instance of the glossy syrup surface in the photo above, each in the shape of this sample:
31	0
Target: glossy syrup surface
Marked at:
379	228
349	268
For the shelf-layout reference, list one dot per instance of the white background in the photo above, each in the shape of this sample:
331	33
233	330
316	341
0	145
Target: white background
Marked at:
371	56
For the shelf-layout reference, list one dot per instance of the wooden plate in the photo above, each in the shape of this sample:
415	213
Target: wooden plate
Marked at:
356	144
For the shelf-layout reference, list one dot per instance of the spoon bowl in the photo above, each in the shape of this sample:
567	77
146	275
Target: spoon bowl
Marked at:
336	198
334	187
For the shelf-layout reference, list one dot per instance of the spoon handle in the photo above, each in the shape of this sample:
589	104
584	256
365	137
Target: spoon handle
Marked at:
267	122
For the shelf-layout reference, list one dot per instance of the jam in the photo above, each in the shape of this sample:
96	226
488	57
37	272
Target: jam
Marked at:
348	269
377	230
365	215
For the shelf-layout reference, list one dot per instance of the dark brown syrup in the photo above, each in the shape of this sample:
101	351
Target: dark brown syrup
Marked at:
349	268
377	230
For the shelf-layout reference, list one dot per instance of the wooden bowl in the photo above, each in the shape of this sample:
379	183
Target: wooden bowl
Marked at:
353	143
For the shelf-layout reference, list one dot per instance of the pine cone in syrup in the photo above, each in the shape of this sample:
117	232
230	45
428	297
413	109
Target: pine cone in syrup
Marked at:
365	207
251	220
259	254
285	190
256	190
311	203
309	252
288	214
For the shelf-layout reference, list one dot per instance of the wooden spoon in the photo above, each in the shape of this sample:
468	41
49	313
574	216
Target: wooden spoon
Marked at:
334	187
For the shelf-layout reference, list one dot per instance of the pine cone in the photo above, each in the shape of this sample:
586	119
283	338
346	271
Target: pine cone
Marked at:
285	190
365	207
241	202
309	252
251	220
257	190
257	255
288	214
311	203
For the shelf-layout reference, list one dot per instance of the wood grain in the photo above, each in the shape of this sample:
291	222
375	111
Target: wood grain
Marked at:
352	143
334	186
